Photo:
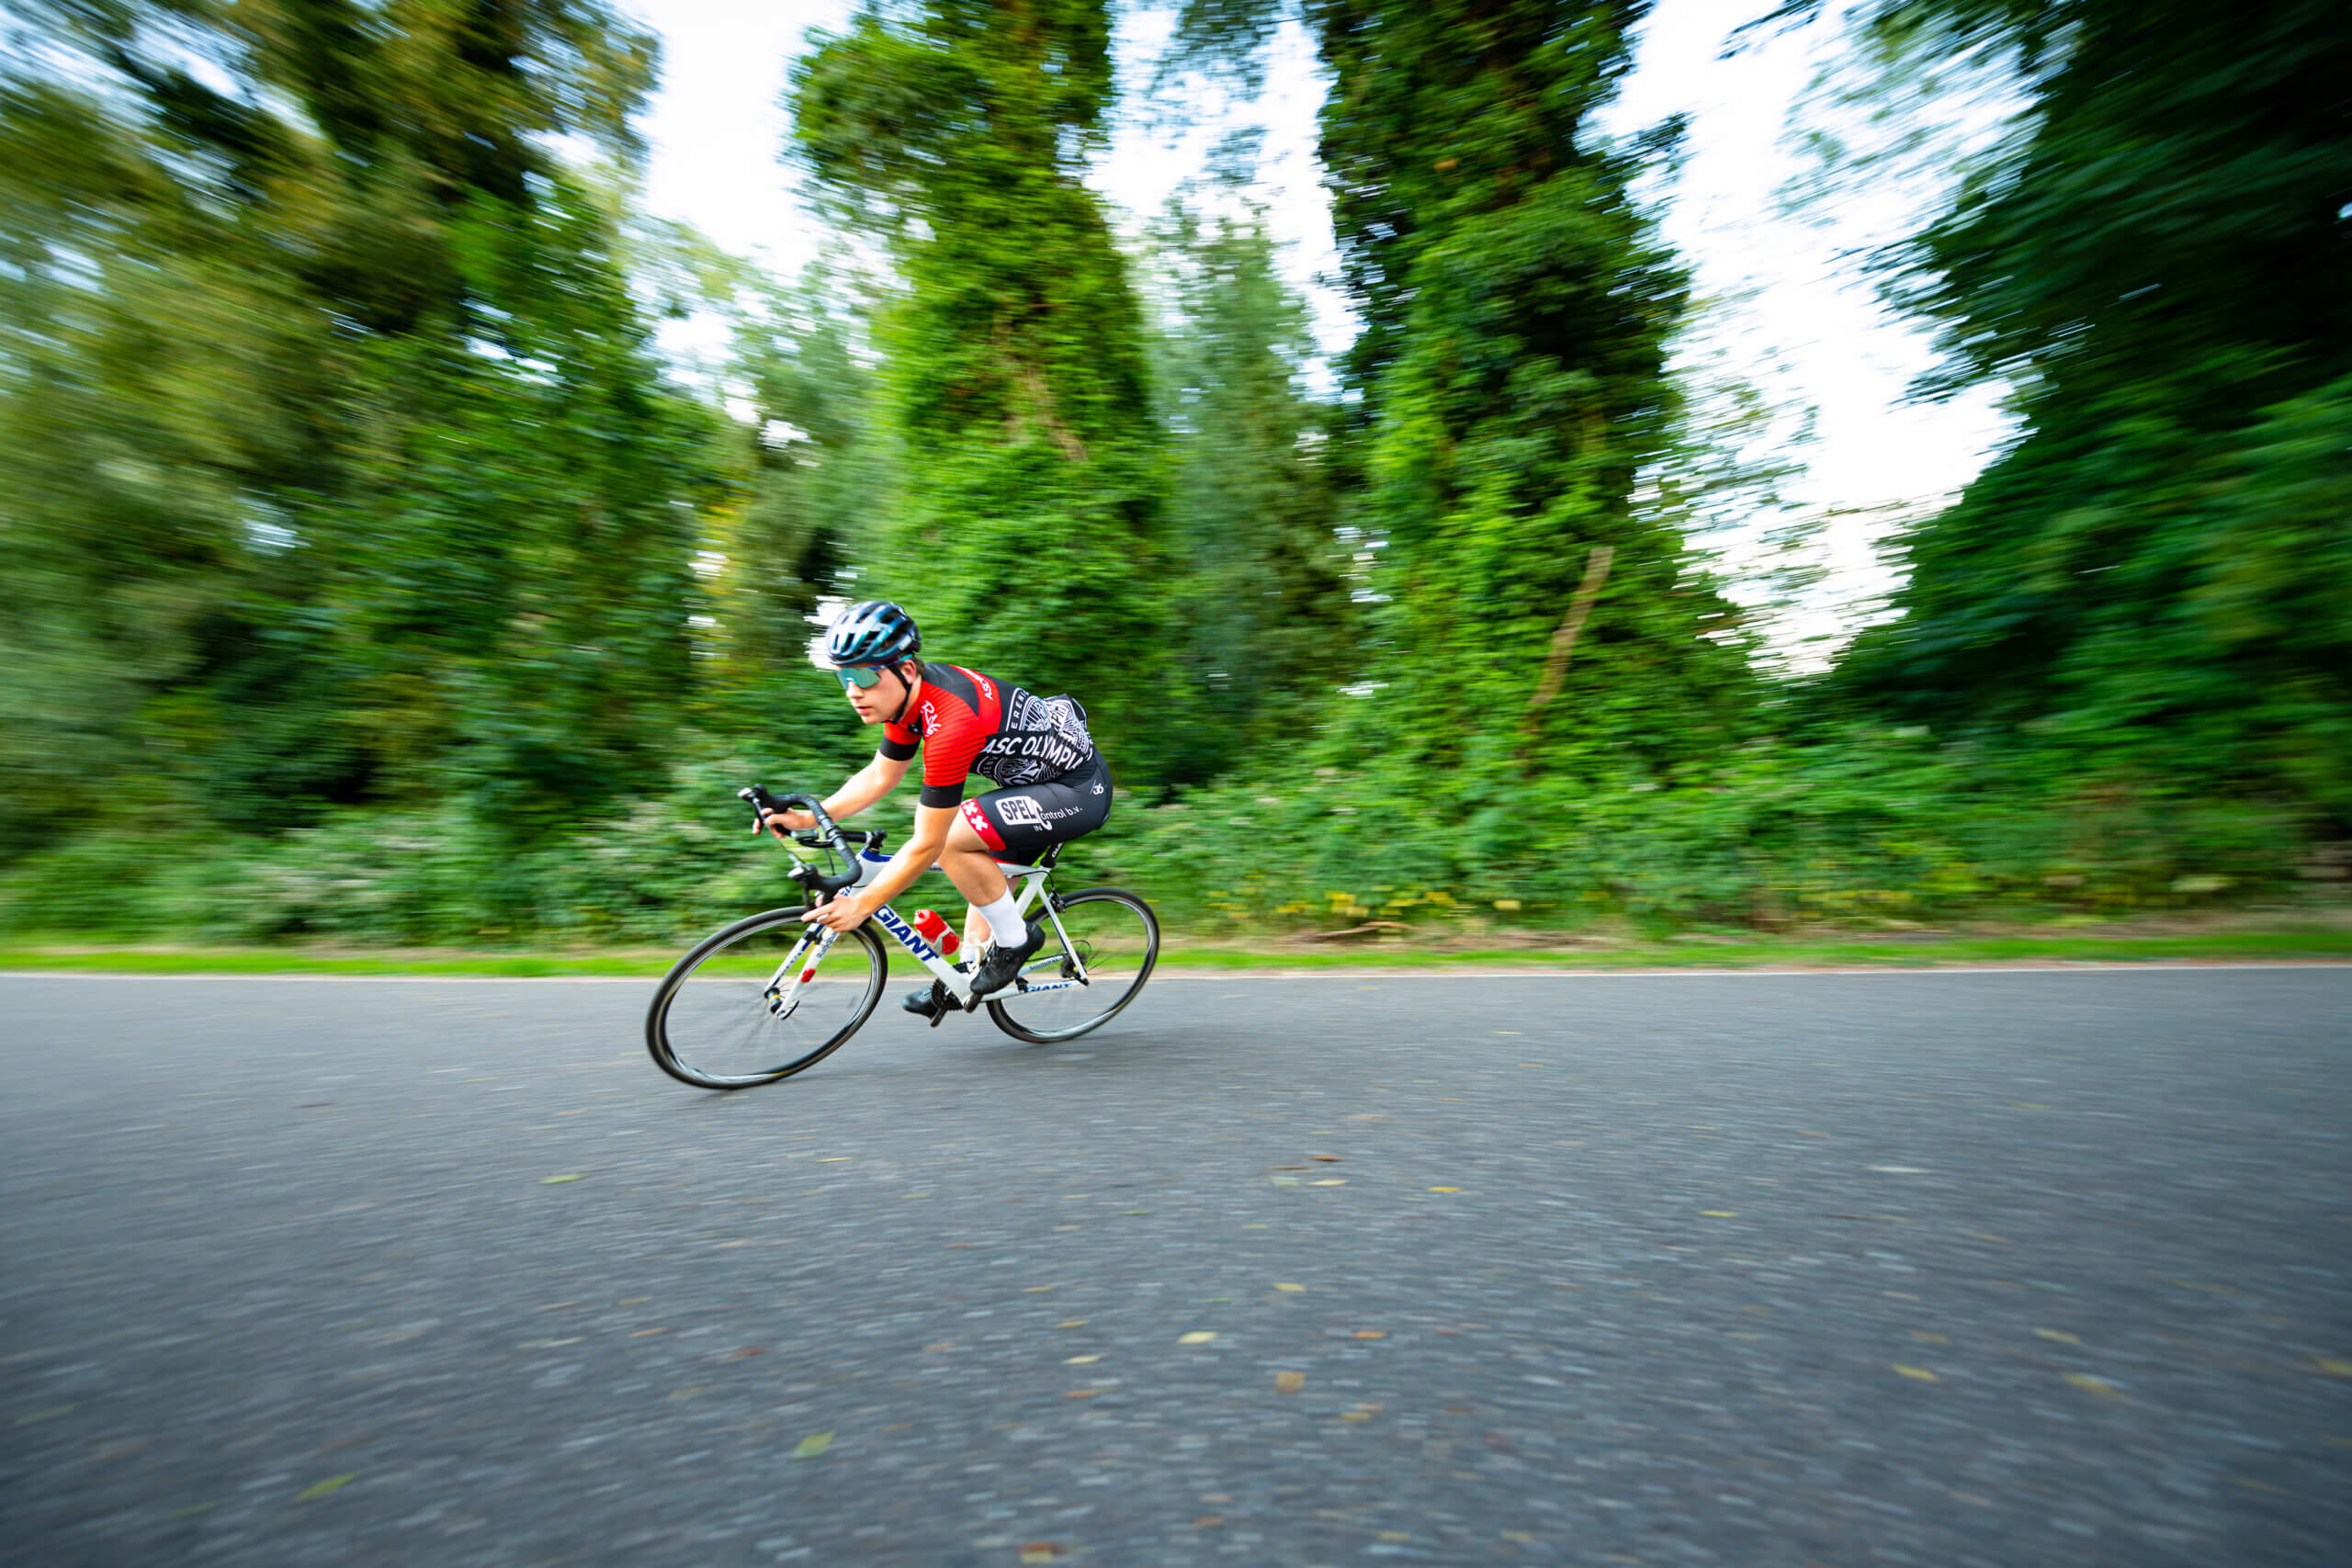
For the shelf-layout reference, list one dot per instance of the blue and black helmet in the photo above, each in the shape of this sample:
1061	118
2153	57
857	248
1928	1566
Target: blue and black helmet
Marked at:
872	633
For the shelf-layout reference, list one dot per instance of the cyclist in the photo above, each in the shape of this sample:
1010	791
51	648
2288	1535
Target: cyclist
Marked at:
1053	784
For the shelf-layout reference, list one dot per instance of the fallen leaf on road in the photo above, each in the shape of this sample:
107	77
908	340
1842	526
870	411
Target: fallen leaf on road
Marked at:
1721	1214
1038	1551
1330	1181
1208	1521
2060	1335
1073	1323
1355	1415
1289	1382
1081	1394
813	1445
2332	1367
1371	1334
1924	1337
935	1350
1198	1337
1281	1287
1922	1373
1326	1159
1445	1189
1286	1180
2089	1384
1033	1290
552	1180
1082	1360
320	1488
746	1350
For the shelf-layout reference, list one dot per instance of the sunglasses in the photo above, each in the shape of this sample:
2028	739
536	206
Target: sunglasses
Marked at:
859	675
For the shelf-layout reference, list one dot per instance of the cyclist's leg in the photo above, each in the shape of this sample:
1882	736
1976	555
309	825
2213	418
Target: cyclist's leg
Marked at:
1021	824
968	864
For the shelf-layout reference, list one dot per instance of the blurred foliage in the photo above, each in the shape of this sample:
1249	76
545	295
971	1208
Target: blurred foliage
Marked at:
2157	572
367	576
824	465
1507	390
336	462
1517	308
1259	607
957	131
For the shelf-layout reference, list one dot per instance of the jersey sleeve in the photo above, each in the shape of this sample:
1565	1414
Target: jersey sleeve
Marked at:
947	762
899	743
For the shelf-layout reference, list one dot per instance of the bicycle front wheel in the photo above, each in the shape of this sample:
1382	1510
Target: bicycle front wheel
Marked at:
717	1021
1114	937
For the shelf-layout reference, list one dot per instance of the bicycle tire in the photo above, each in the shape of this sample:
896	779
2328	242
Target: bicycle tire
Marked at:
745	1018
1003	1006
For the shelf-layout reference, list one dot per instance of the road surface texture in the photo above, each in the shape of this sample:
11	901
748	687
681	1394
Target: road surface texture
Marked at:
1953	1269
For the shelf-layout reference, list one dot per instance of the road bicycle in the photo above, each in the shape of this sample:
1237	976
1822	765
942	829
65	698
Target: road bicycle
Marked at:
772	995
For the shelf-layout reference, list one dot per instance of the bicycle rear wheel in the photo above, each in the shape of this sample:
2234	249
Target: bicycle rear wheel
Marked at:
1117	937
712	1024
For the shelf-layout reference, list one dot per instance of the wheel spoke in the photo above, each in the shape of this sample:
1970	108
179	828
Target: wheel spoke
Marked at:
712	1024
1114	939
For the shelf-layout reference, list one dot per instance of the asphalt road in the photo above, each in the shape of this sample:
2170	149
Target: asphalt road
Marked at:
1943	1269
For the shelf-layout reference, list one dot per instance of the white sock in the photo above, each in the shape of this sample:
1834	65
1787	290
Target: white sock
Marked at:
1006	926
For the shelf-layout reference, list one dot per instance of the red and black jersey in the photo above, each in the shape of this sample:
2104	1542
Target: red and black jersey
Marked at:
965	723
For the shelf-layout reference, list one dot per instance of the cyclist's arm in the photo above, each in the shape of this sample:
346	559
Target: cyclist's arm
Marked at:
868	785
920	853
865	786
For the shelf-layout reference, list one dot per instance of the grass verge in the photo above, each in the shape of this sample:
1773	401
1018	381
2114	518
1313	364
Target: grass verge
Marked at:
1915	951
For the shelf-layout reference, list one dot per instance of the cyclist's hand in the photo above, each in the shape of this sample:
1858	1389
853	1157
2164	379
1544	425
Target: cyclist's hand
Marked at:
782	823
845	913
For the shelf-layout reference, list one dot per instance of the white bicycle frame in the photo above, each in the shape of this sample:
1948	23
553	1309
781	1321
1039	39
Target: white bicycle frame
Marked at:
799	965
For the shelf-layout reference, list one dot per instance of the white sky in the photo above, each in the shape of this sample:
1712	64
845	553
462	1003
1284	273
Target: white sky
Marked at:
1786	308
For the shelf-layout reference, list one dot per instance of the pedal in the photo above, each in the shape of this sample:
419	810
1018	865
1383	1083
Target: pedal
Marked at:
942	1001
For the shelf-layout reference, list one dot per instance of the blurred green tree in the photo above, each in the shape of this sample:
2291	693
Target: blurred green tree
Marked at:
2155	575
1506	393
1029	534
1261	614
824	467
336	462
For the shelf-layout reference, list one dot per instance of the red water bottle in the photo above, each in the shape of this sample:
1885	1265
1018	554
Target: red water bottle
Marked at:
934	928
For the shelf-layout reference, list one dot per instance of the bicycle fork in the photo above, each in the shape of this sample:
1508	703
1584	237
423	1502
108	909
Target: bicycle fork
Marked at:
800	966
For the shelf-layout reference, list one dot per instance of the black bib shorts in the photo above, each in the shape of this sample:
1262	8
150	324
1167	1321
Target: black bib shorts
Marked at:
1021	823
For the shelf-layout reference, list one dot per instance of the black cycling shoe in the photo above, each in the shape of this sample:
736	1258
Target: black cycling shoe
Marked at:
998	969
